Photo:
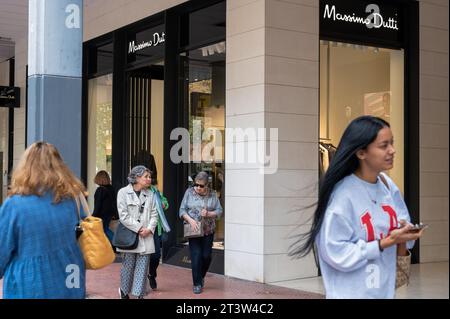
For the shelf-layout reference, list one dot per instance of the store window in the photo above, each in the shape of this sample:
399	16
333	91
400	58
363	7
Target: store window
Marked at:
203	26
360	80
100	60
204	96
99	129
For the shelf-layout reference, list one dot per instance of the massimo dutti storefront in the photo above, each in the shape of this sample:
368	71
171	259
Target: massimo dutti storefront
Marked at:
369	65
369	60
168	71
141	82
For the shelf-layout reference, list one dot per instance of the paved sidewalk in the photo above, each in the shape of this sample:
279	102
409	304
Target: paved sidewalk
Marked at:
176	283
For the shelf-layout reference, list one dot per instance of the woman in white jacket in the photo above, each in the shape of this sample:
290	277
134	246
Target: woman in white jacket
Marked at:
137	212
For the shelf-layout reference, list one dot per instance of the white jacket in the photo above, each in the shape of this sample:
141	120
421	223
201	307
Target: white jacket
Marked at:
128	206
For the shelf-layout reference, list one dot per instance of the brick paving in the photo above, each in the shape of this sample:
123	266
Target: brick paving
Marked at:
176	283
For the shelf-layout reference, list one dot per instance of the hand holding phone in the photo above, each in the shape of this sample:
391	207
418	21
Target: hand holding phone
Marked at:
418	227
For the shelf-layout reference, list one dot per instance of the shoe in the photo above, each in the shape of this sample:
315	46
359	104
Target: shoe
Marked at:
153	283
122	295
203	283
140	297
197	290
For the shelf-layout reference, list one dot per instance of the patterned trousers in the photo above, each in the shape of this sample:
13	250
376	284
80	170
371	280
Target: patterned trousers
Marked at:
133	274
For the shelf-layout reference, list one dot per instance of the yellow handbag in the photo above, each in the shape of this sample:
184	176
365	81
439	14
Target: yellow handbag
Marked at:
95	246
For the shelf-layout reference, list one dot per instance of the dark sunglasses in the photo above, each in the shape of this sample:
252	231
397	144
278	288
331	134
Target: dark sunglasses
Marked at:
199	185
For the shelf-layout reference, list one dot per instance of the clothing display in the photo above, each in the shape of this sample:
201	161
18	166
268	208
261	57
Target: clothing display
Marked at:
326	154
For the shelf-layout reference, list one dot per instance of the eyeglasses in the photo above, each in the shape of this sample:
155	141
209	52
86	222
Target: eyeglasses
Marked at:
199	185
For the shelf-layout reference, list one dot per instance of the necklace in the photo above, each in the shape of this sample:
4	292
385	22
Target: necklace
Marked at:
368	193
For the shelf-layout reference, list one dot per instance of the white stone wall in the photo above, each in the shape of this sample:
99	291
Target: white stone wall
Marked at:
292	105
269	44
245	106
434	111
103	16
21	61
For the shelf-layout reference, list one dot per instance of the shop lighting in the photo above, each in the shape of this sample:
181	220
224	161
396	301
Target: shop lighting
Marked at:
213	49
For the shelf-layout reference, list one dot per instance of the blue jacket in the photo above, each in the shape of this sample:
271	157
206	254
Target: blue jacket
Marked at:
193	203
39	254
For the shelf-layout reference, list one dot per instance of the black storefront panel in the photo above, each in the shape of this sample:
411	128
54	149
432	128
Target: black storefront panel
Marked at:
378	23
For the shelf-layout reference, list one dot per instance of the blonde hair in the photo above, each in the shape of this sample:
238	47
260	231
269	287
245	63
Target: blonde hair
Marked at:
41	169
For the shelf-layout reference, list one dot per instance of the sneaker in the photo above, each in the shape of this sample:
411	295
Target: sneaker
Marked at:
153	283
197	290
122	295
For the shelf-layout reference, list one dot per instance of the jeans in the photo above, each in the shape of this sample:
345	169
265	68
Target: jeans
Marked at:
154	258
201	251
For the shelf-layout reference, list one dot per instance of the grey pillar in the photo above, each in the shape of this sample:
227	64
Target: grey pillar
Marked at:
55	36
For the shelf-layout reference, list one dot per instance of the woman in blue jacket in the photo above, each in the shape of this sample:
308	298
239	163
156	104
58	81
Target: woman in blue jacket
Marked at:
39	255
200	203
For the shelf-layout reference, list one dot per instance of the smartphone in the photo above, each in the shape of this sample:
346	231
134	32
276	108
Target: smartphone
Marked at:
418	227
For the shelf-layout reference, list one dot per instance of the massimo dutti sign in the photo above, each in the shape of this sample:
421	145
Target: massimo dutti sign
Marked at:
146	44
374	19
379	22
9	96
157	39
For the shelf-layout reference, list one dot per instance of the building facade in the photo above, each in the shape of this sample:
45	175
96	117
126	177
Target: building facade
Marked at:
306	67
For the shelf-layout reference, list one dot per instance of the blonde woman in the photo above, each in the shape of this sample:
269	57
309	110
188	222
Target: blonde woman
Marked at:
39	255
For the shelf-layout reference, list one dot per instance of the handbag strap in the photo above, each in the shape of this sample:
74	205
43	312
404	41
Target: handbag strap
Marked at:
383	179
82	200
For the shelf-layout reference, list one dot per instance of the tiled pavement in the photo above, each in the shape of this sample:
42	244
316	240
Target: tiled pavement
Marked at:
176	283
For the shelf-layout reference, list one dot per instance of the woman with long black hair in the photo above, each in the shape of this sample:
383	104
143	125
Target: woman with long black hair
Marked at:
361	221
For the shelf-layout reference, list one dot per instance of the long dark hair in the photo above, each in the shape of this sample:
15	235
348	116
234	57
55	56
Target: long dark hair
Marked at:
361	132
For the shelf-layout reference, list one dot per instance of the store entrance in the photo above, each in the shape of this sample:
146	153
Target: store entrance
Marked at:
202	100
145	118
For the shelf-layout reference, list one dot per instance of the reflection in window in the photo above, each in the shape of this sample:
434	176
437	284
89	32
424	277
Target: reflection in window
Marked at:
204	25
99	129
204	70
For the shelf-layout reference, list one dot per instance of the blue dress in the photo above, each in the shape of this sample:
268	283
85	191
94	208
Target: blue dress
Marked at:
39	253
